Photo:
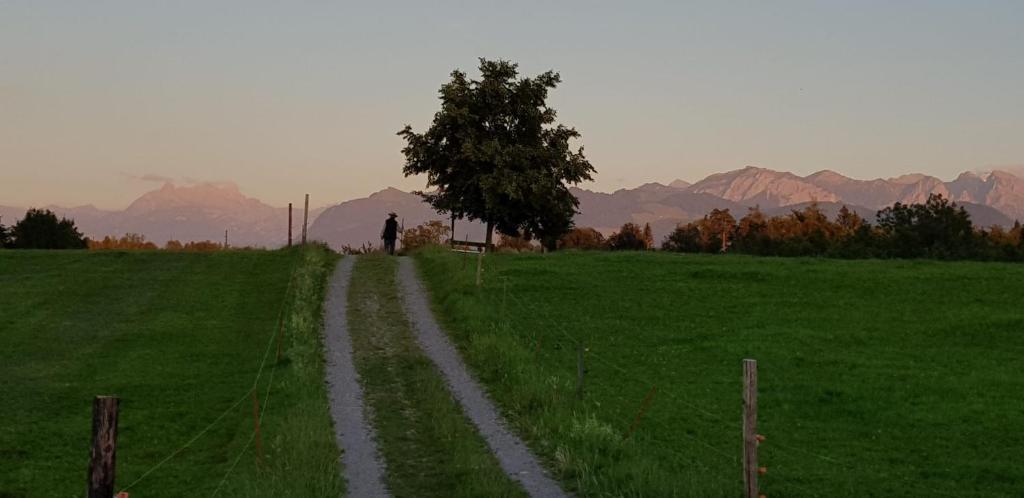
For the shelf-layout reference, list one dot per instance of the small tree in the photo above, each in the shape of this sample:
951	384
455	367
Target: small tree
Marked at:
648	237
494	153
582	238
685	238
716	229
41	229
629	238
433	232
849	221
5	237
936	228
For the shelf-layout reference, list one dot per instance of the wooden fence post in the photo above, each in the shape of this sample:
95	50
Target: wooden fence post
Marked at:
579	371
305	220
280	335
750	438
504	297
479	267
289	224
102	456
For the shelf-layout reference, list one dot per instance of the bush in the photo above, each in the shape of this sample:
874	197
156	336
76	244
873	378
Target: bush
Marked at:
40	229
582	239
629	238
430	233
517	244
131	241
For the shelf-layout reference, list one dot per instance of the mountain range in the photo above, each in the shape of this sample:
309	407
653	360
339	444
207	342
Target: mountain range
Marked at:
185	213
204	211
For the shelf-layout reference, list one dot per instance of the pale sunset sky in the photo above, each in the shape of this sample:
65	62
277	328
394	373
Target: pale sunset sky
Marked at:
99	100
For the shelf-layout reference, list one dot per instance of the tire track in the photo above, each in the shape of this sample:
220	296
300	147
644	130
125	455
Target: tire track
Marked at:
364	470
512	454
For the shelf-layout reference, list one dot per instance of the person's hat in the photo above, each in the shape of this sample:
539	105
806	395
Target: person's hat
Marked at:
392	215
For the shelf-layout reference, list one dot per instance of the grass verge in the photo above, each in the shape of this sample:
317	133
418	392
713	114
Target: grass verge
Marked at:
430	448
878	378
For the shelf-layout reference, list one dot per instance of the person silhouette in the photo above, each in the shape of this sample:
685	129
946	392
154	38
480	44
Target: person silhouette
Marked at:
390	233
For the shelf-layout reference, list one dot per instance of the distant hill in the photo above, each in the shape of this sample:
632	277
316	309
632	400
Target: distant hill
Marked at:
186	213
204	211
360	221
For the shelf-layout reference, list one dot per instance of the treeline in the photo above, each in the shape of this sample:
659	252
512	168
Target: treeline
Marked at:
42	229
935	229
138	242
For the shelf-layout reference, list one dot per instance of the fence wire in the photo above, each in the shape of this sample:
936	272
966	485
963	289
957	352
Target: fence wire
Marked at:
790	451
248	393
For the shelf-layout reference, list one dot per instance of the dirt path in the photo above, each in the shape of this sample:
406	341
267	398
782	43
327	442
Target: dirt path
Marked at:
513	455
355	437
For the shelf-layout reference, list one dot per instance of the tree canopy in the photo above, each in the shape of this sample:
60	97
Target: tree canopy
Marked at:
5	236
494	153
40	229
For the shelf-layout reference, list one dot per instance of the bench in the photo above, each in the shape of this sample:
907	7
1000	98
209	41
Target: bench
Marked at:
467	246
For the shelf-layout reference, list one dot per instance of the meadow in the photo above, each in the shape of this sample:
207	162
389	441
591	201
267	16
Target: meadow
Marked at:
877	378
184	339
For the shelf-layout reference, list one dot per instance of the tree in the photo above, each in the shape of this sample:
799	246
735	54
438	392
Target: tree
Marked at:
936	228
752	232
648	236
715	230
40	229
583	239
849	221
5	236
494	153
130	241
685	238
629	238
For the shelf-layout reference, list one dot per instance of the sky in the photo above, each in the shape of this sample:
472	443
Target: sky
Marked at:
101	101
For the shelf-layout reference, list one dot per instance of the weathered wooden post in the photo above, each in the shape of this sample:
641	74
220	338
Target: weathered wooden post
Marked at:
504	296
305	220
579	371
280	335
289	224
102	455
479	266
225	239
750	438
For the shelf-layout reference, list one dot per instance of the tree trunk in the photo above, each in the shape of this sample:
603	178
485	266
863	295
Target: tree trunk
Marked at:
489	238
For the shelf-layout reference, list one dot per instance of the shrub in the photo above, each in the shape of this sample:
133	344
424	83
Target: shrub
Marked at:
629	238
40	229
131	241
517	244
430	233
582	238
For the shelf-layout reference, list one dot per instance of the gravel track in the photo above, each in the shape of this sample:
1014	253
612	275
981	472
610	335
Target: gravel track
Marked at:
513	455
364	470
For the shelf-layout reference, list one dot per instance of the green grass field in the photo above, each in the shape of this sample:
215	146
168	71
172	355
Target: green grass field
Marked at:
877	378
179	337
